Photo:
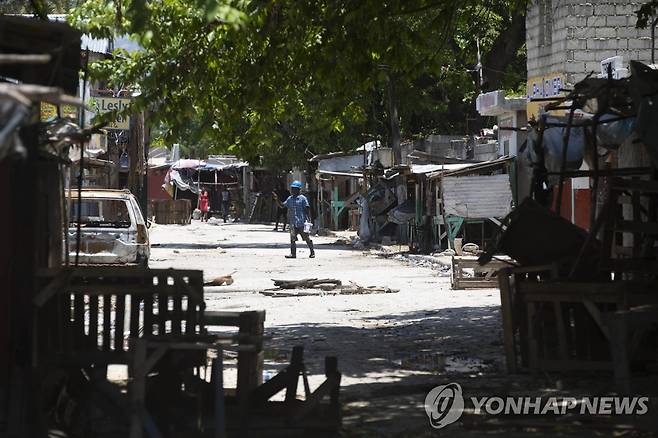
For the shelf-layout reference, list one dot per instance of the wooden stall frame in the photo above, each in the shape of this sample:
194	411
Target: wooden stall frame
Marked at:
459	281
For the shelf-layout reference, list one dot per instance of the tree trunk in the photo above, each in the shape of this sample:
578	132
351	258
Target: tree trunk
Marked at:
503	52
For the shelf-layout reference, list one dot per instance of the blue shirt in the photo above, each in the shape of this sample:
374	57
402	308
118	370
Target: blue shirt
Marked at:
296	206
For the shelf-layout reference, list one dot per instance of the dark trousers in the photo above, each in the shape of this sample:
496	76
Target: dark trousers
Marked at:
225	208
294	231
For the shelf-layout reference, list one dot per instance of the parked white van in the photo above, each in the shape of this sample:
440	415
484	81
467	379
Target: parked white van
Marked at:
112	228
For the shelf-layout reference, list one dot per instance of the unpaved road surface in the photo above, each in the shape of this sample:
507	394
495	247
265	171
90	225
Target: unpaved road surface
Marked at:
391	348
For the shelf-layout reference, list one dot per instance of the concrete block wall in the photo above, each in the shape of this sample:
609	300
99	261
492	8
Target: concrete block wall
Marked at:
585	33
546	58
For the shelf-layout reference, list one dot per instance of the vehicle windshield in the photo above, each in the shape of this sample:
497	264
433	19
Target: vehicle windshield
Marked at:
100	213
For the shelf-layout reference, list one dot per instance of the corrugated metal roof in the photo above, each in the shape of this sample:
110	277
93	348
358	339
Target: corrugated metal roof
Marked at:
337	173
95	45
431	168
472	168
477	197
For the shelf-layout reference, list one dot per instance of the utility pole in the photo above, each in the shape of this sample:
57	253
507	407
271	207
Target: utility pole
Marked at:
393	116
395	121
478	67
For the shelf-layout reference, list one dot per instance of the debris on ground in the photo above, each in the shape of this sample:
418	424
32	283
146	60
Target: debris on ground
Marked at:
319	287
308	283
224	280
471	248
440	264
440	362
357	243
324	232
341	241
423	362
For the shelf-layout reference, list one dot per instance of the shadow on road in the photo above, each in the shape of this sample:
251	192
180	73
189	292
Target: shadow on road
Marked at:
398	341
248	245
389	356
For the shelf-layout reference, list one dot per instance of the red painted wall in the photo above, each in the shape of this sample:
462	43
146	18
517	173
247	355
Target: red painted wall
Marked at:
155	180
581	204
582	207
565	210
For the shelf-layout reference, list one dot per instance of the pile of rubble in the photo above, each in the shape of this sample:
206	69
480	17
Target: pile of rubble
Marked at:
318	287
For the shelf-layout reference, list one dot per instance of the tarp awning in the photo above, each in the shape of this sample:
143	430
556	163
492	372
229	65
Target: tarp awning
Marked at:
220	167
184	174
186	164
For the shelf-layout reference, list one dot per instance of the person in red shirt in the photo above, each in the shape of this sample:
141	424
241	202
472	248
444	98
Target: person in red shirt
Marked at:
203	205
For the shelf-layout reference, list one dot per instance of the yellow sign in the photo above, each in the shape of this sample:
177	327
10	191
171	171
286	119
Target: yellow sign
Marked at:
543	87
102	105
49	111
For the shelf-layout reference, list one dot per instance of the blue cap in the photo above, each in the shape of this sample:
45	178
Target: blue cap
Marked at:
296	184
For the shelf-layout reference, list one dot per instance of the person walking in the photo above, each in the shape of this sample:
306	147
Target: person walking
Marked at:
281	212
299	211
203	205
226	202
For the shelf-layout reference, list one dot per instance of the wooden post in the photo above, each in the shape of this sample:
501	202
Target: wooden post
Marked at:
250	363
296	365
533	354
331	369
218	385
561	331
507	312
618	341
137	384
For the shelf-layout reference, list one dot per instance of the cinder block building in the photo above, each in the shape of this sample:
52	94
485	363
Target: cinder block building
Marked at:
568	39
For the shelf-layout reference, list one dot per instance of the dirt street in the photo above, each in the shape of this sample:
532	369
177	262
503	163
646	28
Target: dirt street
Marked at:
391	348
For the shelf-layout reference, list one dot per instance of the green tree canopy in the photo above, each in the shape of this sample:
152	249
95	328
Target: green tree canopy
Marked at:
282	79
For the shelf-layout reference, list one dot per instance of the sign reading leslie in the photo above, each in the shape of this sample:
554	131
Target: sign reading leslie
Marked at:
102	105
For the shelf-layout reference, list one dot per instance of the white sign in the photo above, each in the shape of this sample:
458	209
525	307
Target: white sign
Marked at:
102	105
616	66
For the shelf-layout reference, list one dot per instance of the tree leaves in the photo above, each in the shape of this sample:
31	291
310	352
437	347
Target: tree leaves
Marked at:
286	78
646	15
